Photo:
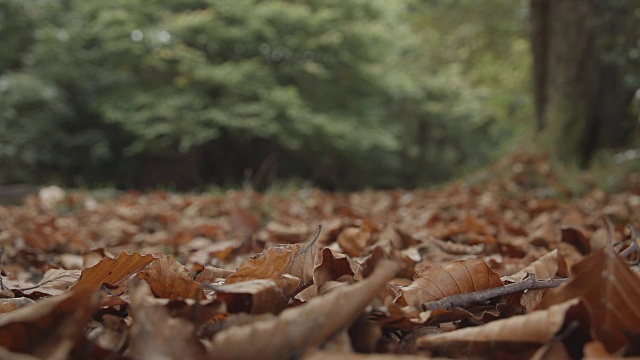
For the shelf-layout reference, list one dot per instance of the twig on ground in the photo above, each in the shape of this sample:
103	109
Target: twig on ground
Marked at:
530	283
634	244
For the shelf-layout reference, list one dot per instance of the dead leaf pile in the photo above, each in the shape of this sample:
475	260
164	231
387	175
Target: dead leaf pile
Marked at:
507	265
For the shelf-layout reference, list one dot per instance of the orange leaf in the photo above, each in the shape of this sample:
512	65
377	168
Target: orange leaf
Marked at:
292	259
170	280
112	271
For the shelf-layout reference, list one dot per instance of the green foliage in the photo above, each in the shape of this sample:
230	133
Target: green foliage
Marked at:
346	93
618	24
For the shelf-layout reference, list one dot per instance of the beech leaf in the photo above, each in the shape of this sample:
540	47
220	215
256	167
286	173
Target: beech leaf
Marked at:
297	328
293	259
112	271
436	282
611	291
170	280
258	296
521	333
49	328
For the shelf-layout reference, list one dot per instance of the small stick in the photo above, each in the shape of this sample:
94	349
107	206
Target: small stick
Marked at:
1	259
457	300
634	244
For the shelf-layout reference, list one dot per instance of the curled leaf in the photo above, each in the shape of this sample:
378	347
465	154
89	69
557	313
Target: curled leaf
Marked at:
170	280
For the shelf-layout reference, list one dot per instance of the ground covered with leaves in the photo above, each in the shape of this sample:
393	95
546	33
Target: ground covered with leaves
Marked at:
502	265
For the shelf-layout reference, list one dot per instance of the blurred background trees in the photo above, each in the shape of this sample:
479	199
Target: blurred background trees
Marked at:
586	61
346	94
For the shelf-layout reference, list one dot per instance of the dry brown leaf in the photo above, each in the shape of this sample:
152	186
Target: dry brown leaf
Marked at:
292	233
221	250
306	294
545	267
553	350
112	271
54	282
576	237
436	282
596	350
518	334
171	280
109	335
156	335
458	249
303	326
354	240
258	296
296	260
210	274
244	221
610	289
322	355
333	265
50	328
12	304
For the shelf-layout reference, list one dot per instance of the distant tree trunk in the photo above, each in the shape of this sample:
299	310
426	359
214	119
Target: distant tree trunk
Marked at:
581	101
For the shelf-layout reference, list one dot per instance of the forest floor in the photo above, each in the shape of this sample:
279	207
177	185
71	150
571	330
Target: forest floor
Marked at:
504	264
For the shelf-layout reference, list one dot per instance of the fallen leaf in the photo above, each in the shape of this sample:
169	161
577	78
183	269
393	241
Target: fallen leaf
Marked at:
293	233
171	280
258	296
576	237
8	305
333	265
520	335
51	327
545	267
210	274
608	286
354	240
112	271
293	259
244	221
297	328
436	282
322	355
156	335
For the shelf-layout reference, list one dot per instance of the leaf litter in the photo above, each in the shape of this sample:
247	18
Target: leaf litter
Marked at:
502	265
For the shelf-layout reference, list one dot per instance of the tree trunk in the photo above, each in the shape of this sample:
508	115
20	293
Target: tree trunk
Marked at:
581	101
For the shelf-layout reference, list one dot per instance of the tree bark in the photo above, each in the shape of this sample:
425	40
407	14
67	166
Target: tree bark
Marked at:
581	100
